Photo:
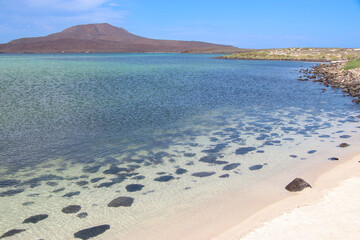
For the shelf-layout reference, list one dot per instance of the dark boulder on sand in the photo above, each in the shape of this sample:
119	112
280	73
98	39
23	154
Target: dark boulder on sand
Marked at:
343	145
297	185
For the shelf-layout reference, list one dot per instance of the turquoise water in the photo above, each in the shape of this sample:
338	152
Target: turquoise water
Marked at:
89	123
62	105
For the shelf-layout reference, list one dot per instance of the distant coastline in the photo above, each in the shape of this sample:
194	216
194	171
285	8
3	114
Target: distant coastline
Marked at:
298	54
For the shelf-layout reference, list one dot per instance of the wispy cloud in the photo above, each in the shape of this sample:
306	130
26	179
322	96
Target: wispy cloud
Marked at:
68	5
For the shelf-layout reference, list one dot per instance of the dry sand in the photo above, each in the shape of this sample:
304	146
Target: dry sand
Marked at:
330	210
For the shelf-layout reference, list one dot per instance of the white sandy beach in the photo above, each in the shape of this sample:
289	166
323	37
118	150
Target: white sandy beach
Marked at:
330	210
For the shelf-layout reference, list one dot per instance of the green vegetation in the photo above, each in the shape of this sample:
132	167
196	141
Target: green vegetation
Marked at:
352	64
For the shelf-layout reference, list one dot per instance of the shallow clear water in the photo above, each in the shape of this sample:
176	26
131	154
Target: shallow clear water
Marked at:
93	124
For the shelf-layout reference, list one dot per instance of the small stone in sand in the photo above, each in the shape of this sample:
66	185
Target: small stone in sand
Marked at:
333	158
344	145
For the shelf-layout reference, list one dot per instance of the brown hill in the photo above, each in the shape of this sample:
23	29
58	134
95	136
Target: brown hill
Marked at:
103	38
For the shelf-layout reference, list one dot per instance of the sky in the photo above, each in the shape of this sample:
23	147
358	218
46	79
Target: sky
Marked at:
241	23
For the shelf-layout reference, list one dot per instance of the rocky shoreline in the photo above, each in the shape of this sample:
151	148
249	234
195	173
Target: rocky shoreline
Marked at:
334	75
274	59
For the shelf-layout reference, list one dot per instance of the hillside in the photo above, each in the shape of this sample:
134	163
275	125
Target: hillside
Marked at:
103	38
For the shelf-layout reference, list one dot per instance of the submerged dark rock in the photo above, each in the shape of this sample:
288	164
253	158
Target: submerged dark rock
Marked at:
180	171
82	183
59	190
219	147
208	159
244	150
37	181
9	183
28	203
121	202
189	154
94	180
164	178
224	175
70	194
134	187
202	174
52	184
231	166
91	169
11	192
256	167
218	162
36	218
297	185
12	232
71	209
82	215
91	232
345	136
113	170
333	159
312	151
106	184
139	177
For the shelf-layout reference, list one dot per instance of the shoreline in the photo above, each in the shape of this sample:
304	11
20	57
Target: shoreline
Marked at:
274	214
238	212
324	180
274	59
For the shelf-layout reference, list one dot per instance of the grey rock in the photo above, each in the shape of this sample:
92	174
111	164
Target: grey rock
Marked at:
297	185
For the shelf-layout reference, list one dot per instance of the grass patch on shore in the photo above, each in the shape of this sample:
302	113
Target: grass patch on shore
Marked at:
352	64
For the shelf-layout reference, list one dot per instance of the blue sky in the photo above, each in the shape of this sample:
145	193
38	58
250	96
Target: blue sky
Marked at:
242	23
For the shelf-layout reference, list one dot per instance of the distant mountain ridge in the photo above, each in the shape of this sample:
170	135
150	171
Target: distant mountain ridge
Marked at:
105	38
